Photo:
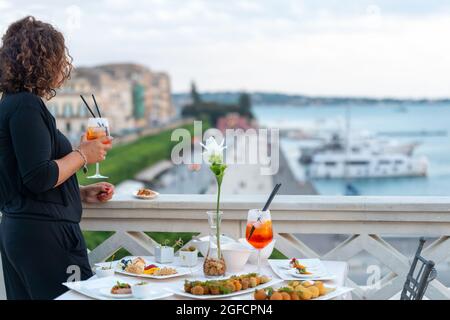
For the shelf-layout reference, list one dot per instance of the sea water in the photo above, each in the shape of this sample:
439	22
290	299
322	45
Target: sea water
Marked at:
427	124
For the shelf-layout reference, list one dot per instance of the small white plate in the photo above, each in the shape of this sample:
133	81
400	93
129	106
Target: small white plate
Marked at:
313	275
281	269
100	289
310	268
107	293
155	195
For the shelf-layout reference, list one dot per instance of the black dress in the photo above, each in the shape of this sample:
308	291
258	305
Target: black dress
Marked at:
40	239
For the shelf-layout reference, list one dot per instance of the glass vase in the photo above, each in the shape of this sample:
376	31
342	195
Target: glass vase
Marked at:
214	264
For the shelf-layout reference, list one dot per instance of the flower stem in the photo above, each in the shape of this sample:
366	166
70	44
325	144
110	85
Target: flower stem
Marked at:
219	253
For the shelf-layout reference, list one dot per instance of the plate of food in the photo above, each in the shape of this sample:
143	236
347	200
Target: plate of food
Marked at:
145	194
306	269
224	288
301	290
121	290
146	267
115	288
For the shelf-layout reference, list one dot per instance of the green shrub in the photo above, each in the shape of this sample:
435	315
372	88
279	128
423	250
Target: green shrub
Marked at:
125	161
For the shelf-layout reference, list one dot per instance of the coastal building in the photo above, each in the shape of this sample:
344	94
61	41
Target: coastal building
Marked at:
161	110
151	92
131	96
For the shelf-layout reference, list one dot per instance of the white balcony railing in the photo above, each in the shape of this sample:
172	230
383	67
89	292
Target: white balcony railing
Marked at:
366	220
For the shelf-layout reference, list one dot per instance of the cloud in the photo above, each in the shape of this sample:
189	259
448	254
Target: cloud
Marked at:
4	4
379	48
250	6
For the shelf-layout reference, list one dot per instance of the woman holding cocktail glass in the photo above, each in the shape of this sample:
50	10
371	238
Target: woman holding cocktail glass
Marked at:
40	239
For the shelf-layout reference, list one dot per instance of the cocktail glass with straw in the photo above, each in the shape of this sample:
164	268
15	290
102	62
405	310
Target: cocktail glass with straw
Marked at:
97	128
259	231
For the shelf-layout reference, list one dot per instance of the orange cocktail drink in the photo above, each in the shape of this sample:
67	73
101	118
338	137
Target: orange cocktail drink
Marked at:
259	230
262	234
95	133
98	128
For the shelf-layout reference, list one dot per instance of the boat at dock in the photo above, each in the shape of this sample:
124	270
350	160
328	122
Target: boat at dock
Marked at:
331	165
339	152
364	156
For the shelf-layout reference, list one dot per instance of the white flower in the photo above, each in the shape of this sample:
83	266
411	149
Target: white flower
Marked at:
213	151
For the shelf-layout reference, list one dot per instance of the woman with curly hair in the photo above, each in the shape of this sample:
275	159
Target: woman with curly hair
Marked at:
40	239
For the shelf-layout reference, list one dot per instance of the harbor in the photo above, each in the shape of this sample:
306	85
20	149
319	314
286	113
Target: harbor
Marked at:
411	154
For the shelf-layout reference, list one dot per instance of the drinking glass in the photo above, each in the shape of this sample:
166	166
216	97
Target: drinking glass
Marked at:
97	128
259	231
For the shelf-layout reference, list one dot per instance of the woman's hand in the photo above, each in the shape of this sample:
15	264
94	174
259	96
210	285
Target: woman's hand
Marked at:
95	150
97	192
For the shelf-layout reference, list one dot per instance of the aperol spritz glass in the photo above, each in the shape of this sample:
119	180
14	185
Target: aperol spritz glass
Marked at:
97	128
259	231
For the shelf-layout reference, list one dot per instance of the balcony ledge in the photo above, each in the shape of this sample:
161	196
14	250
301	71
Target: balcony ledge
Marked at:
284	207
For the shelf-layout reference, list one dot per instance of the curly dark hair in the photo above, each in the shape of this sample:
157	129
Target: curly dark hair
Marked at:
33	58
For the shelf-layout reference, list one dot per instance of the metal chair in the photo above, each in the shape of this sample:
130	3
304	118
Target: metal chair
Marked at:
417	282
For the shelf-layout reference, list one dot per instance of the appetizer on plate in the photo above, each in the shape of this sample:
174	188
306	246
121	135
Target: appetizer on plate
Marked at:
121	288
151	269
301	269
295	290
146	194
157	271
138	266
225	286
165	271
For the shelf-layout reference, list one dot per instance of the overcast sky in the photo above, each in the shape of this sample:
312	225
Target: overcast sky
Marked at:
380	48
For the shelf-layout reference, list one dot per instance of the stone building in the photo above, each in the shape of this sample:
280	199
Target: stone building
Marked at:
129	95
162	109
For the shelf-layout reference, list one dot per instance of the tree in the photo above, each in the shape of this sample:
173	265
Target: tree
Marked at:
245	105
214	110
196	100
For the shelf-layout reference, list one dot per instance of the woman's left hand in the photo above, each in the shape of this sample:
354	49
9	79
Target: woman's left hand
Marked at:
97	192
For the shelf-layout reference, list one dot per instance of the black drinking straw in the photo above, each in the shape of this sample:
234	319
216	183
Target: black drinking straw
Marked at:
99	113
272	195
96	106
87	106
266	206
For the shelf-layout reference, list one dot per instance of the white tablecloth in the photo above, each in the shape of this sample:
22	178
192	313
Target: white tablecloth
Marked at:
339	269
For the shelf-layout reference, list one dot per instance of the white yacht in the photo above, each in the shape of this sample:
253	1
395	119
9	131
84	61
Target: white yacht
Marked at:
335	151
366	165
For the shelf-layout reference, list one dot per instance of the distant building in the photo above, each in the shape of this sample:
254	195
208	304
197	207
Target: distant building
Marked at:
162	109
151	92
129	95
